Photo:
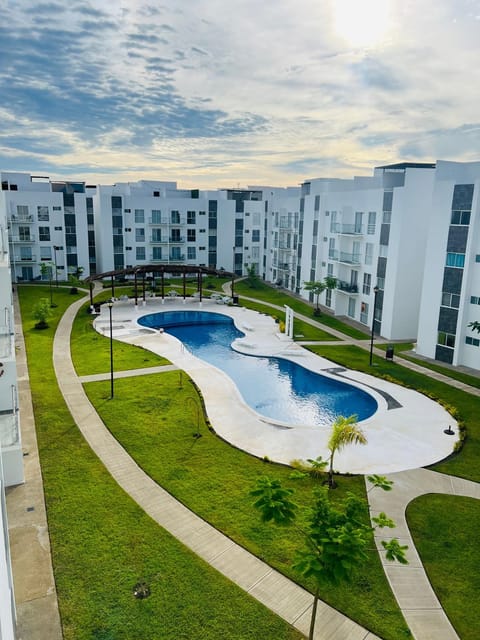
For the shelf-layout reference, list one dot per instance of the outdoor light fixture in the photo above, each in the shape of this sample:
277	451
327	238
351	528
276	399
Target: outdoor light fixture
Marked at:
55	249
110	306
375	293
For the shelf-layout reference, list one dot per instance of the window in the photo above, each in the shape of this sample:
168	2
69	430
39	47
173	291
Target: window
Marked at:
191	253
139	216
387	217
328	298
156	253
156	235
367	283
446	339
45	253
57	208
201	213
57	228
201	248
255	235
42	213
381	283
450	300
191	217
175	217
477	257
456	260
460	217
127	211
383	251
140	234
22	210
369	253
475	300
191	235
140	253
44	234
201	231
351	307
475	342
372	218
156	216
330	269
364	313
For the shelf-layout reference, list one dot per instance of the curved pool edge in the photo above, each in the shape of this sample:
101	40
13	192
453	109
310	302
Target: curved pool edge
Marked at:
398	440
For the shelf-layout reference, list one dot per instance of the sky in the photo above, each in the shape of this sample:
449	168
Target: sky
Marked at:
230	93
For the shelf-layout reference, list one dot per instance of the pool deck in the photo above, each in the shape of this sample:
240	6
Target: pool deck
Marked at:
406	432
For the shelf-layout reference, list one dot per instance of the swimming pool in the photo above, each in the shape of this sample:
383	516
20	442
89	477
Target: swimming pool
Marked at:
274	387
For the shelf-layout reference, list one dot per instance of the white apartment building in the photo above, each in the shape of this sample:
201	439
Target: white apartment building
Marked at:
380	236
11	455
450	298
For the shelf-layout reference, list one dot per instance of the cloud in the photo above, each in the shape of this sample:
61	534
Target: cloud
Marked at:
218	98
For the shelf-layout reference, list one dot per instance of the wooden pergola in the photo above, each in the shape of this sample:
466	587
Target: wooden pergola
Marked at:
142	273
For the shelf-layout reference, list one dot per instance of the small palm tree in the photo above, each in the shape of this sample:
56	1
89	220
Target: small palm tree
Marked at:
475	326
344	431
317	287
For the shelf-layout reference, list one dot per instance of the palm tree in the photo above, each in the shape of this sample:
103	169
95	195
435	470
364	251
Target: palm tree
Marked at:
475	326
344	431
317	287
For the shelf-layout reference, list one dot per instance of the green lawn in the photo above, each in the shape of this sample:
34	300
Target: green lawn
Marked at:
445	531
158	432
280	297
91	351
103	543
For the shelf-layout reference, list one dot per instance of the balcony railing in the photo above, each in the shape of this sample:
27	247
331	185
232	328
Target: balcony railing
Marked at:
168	259
24	238
29	259
347	229
154	221
347	287
22	219
342	256
172	240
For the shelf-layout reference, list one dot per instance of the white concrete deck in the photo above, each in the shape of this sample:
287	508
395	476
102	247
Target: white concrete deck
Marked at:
399	437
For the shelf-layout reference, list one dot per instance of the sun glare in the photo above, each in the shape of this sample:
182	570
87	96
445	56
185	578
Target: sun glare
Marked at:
361	23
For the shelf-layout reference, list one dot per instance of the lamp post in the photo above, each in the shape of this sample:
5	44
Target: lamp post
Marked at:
110	305
375	293
55	249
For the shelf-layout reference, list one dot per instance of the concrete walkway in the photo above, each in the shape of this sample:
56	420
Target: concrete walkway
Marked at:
35	596
409	583
269	587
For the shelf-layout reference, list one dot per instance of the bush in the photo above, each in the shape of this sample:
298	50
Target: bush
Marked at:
41	313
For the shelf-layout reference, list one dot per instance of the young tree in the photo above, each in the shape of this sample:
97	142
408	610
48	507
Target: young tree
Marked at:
338	537
344	431
330	283
252	277
41	313
317	287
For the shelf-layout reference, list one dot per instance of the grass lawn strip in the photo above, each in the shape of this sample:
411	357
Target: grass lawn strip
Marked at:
445	529
103	544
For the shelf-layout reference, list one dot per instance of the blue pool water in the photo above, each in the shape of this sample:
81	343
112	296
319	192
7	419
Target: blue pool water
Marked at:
274	387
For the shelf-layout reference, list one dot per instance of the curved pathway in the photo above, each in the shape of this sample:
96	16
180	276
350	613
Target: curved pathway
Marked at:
271	588
409	583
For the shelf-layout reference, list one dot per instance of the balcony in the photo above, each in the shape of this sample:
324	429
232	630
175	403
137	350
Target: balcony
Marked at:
347	287
172	240
22	239
345	258
155	221
172	259
347	229
22	219
28	259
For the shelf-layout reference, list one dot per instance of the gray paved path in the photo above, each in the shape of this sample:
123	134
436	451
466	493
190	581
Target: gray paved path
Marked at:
410	585
269	587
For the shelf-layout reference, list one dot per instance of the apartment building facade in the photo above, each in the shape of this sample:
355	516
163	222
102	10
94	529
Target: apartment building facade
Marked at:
11	454
379	236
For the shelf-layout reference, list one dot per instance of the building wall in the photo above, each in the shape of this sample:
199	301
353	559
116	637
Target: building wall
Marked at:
392	229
